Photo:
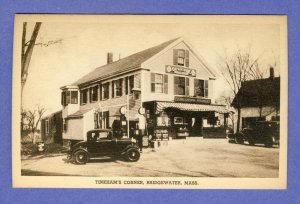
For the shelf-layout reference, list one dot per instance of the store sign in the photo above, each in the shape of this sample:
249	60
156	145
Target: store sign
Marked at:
173	69
192	100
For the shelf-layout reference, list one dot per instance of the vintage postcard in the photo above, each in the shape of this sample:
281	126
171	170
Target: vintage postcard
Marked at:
150	101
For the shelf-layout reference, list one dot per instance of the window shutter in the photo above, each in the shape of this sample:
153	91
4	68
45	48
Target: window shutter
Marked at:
100	94
107	119
176	82
196	87
187	59
121	87
166	84
126	85
90	94
187	86
175	57
100	121
81	97
113	89
152	83
206	88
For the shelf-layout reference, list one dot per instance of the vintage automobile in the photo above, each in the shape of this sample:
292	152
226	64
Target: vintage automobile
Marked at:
262	132
100	142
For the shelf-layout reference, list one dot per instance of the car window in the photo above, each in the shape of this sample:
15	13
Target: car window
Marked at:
97	136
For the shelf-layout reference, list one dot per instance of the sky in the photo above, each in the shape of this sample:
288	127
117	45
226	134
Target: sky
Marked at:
84	46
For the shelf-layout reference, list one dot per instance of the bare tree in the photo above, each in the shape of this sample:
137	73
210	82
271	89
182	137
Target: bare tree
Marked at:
236	70
27	50
33	118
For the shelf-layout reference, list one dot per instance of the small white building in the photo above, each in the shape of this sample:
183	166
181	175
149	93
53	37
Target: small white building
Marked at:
164	91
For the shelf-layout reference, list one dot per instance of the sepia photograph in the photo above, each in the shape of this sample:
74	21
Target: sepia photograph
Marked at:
150	101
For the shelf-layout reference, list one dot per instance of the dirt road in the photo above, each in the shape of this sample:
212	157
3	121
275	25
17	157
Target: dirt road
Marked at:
194	157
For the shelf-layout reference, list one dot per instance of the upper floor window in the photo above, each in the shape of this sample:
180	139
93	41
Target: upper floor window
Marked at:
83	96
117	87
159	83
129	84
74	97
181	85
181	57
68	97
201	87
105	91
94	93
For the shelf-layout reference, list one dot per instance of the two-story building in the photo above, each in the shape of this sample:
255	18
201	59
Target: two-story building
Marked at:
259	100
164	91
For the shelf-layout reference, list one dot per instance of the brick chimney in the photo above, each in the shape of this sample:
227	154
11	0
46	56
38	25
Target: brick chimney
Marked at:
110	57
271	73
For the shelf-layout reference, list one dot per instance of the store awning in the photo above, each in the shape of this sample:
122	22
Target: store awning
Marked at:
191	107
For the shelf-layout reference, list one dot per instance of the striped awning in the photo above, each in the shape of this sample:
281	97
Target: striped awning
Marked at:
191	107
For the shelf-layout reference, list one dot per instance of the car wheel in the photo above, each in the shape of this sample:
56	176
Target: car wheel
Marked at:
81	157
238	140
251	142
269	142
133	155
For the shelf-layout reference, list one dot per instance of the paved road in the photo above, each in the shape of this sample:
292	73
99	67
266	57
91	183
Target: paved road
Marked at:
194	157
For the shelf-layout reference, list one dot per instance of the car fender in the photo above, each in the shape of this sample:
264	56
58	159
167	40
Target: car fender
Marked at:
129	147
80	148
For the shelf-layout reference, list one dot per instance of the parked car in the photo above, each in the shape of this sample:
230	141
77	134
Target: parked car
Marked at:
262	132
100	142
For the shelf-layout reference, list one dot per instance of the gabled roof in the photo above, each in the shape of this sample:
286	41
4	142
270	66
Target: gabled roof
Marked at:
126	64
261	92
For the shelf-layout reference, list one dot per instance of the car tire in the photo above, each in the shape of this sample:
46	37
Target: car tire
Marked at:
251	142
238	140
132	155
81	157
269	142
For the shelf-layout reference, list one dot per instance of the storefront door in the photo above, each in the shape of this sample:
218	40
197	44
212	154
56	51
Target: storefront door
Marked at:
196	125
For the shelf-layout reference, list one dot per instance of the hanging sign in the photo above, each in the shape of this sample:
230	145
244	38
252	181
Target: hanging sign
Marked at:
173	69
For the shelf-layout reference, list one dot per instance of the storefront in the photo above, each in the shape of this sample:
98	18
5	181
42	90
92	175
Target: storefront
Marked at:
183	119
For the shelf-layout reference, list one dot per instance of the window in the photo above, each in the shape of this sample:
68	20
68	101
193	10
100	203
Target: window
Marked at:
101	120
117	87
105	91
74	97
46	126
181	85
68	97
181	57
94	94
159	83
201	87
65	125
84	96
129	84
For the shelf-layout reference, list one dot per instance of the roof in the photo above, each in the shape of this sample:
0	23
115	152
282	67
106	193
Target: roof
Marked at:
52	114
256	93
191	107
78	114
126	64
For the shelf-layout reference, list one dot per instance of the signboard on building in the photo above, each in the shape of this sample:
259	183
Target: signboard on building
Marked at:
192	100
173	69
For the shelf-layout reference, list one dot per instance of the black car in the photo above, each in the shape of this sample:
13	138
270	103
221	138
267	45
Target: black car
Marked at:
100	142
262	132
